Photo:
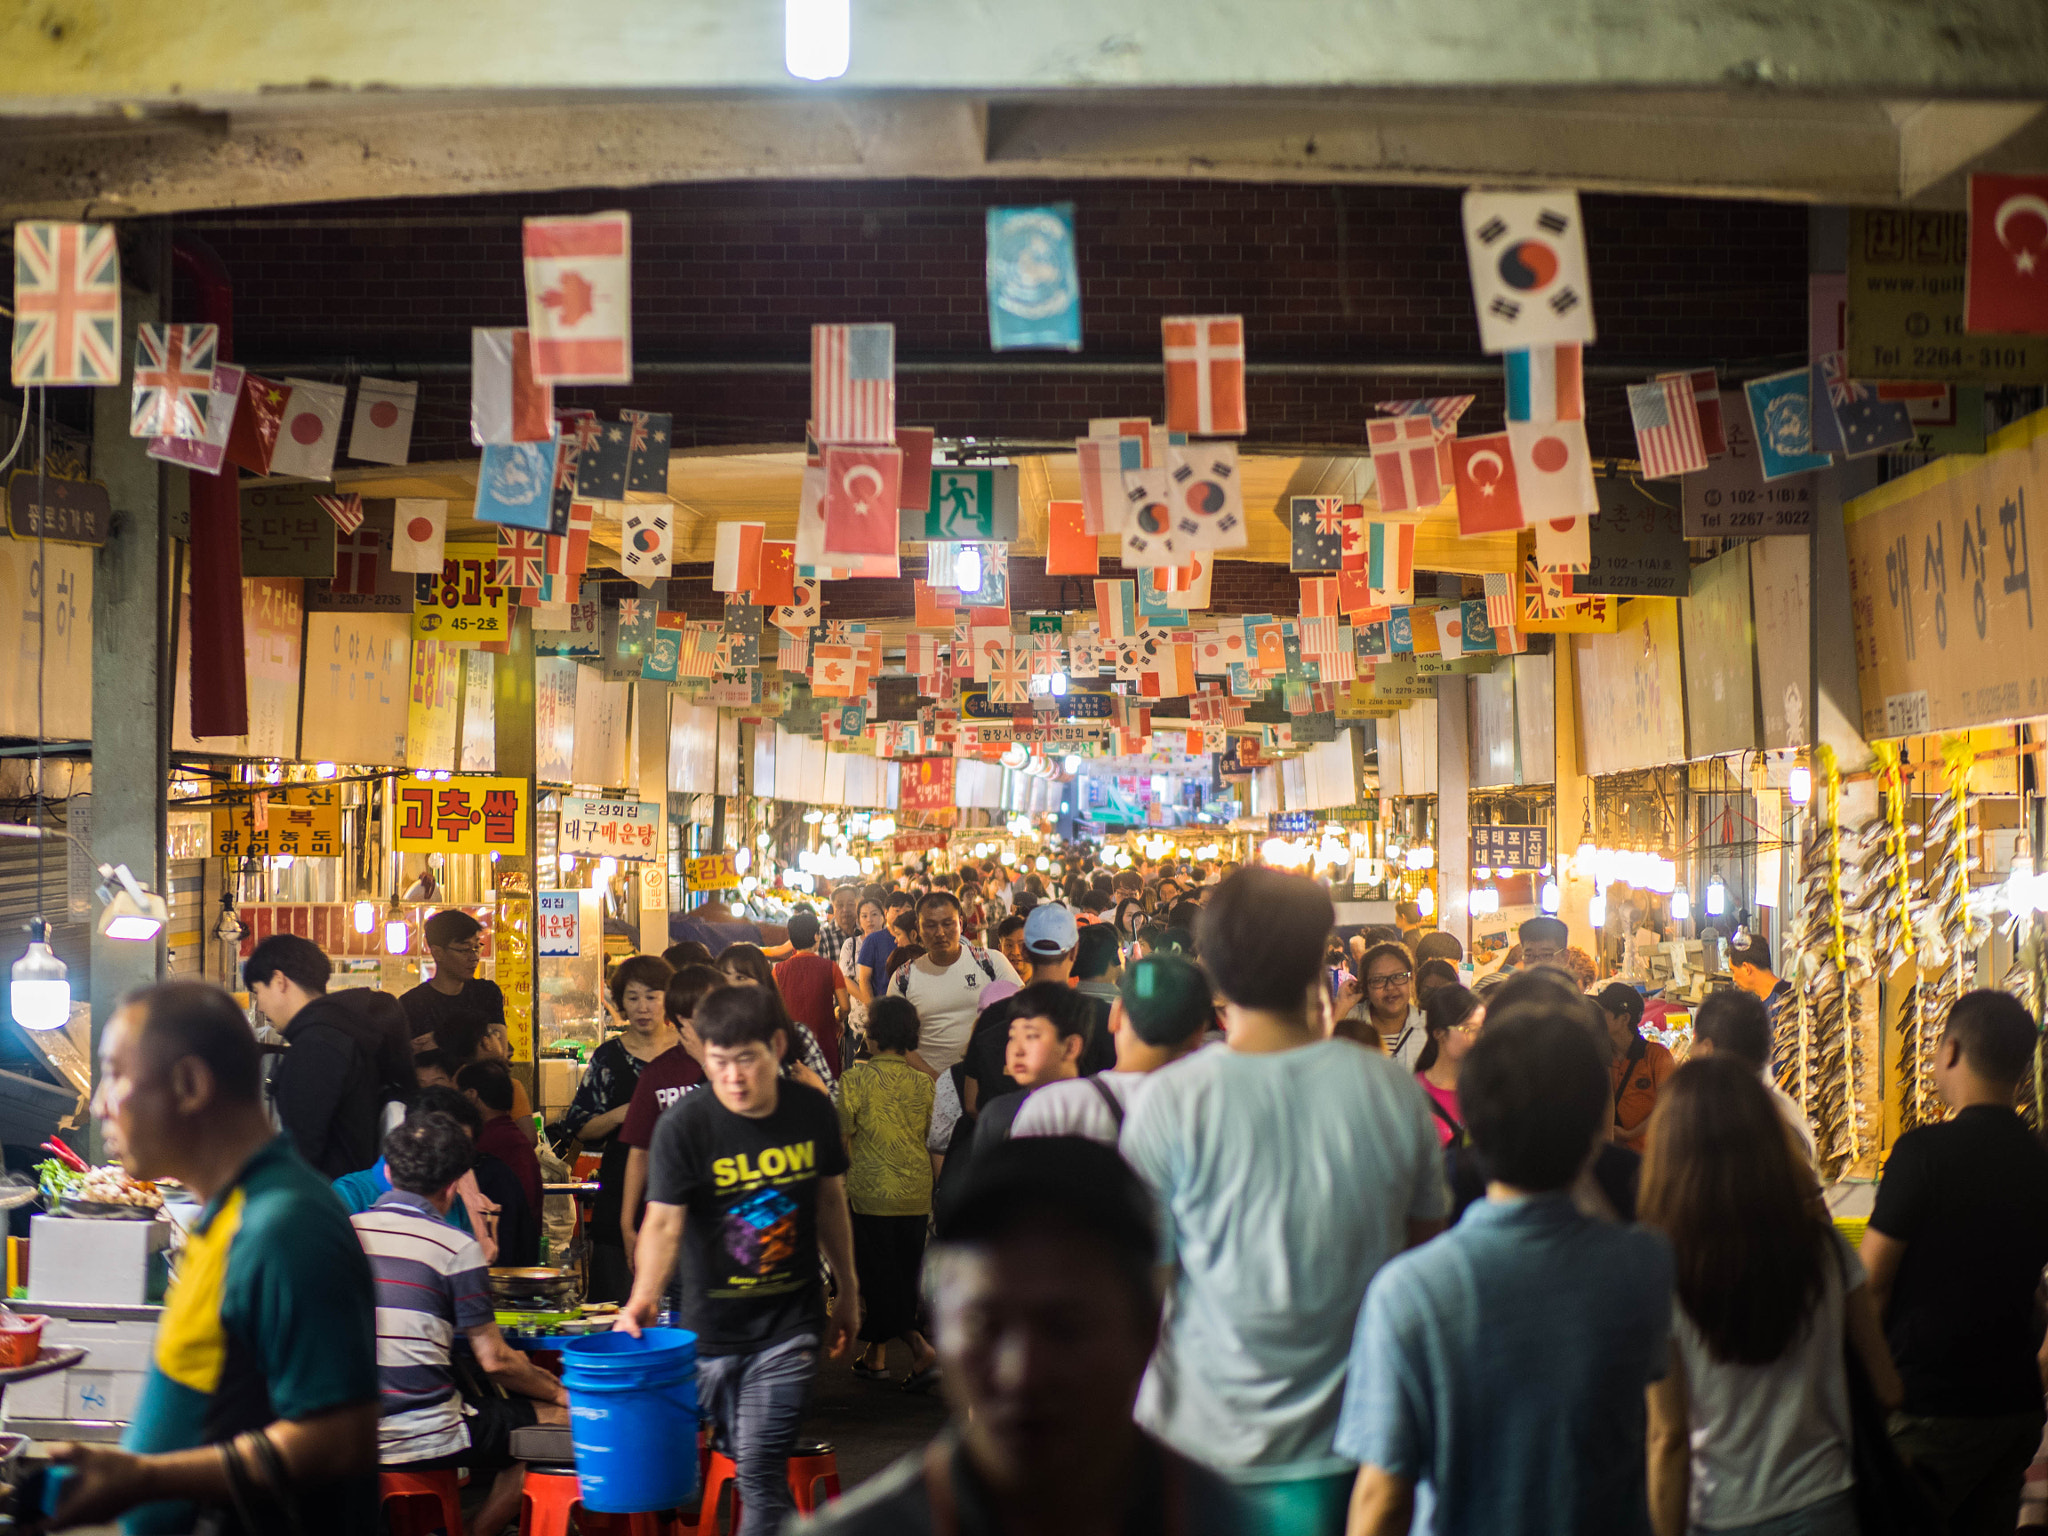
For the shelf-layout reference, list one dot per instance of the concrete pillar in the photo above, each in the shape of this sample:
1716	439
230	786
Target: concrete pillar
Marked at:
1573	803
1453	806
518	967
131	678
650	774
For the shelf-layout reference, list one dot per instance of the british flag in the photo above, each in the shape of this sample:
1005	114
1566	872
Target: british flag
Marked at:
346	509
522	558
67	304
853	383
173	380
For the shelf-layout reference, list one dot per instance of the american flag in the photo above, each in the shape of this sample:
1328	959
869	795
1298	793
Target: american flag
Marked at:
1318	634
1442	412
522	558
173	380
853	383
346	509
1667	427
67	304
1500	600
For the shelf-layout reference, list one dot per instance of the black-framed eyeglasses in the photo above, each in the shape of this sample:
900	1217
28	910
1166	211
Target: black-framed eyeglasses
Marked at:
1395	979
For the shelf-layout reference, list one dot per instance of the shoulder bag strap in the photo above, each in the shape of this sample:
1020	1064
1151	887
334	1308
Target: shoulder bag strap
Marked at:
1109	1100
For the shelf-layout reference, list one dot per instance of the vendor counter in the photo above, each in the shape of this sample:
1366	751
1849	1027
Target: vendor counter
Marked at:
95	1399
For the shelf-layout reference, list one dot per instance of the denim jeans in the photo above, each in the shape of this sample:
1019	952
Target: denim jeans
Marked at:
756	1401
1834	1515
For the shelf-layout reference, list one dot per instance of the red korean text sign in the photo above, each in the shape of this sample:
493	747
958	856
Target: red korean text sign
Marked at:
461	815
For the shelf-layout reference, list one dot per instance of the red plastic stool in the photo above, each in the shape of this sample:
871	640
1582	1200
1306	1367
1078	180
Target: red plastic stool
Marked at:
549	1495
418	1503
811	1464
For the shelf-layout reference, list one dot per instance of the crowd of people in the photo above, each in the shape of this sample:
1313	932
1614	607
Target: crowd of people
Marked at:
1200	1215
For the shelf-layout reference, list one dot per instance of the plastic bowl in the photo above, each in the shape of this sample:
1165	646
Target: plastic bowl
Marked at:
22	1343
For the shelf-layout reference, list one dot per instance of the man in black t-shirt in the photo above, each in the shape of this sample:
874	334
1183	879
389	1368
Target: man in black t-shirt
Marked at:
453	991
753	1176
1955	1250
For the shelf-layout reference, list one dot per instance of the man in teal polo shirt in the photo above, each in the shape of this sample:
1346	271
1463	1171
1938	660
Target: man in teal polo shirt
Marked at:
261	1402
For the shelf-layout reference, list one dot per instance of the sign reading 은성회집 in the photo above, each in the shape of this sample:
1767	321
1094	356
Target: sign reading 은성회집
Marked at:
556	923
593	827
1941	590
461	815
462	604
304	822
1510	847
712	872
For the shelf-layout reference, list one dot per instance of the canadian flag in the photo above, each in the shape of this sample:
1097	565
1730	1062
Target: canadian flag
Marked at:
579	298
419	529
311	431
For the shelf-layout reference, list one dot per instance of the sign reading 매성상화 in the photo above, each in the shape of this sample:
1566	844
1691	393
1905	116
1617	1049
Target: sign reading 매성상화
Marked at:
460	815
1941	590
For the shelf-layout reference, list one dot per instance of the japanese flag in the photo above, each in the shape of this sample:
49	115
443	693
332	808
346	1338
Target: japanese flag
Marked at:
418	530
1564	544
1553	469
382	433
646	538
311	431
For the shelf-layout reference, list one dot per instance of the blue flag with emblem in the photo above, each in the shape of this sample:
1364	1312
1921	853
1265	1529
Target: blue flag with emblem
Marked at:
1034	281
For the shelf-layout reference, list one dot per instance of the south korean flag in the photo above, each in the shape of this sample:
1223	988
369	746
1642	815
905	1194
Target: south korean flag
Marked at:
1528	256
1207	502
1148	527
646	538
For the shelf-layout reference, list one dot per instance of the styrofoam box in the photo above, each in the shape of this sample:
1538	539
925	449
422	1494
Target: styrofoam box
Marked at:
106	1385
76	1259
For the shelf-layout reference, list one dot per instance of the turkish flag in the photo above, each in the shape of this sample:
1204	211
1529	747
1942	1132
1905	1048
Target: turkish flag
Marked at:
862	484
2006	290
1488	501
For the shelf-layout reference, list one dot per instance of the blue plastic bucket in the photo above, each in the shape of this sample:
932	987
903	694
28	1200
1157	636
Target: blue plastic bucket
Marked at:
633	1418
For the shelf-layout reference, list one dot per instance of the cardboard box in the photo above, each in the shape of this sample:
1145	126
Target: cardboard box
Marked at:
76	1259
102	1388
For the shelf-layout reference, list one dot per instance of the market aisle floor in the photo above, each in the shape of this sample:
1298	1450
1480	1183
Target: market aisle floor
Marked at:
870	1423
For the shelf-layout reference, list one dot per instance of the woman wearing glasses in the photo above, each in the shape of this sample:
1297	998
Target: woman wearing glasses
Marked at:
1452	1019
1385	985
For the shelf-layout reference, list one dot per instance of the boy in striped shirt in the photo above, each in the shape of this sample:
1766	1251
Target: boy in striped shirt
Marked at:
432	1283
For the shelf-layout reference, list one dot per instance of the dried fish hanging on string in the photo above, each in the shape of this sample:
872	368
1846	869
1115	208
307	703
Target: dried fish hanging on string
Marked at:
1885	903
1952	935
1834	964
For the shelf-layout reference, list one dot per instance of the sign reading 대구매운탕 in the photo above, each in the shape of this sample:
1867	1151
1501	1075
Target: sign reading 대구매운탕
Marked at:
620	829
1941	590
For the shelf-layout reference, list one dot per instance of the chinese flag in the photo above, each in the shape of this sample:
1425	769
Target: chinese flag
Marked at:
777	586
253	437
935	606
1069	547
1488	501
2006	291
1355	598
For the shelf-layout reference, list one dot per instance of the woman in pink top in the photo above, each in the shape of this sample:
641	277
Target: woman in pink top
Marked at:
1453	1017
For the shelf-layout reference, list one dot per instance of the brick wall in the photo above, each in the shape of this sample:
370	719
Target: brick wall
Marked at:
741	270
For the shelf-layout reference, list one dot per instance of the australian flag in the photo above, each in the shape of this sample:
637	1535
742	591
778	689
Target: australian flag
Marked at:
1868	424
1315	533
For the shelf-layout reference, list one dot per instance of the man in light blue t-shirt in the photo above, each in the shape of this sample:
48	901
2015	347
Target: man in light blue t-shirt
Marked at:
1288	1167
1502	1369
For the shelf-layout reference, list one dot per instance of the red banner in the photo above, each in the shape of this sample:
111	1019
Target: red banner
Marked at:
927	785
